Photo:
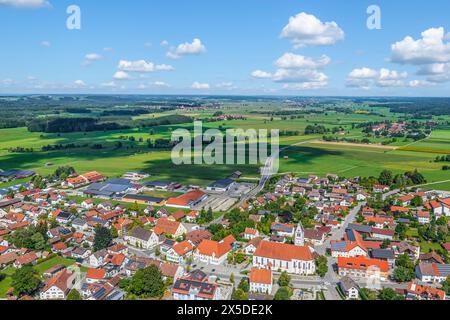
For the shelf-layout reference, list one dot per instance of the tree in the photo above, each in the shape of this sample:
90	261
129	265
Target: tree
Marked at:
232	278
322	266
389	294
10	193
147	282
446	285
402	274
244	285
283	294
25	281
103	238
239	295
39	241
386	178
417	201
74	295
284	279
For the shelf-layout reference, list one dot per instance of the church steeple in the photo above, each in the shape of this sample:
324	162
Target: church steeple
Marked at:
299	235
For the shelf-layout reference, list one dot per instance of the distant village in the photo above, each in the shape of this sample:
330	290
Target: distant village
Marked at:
84	236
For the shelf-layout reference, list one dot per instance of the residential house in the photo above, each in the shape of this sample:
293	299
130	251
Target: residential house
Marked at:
58	287
212	252
363	267
142	238
349	288
261	280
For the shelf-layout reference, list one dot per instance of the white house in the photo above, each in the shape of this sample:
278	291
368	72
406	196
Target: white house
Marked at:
347	249
349	288
142	238
212	252
180	252
261	280
98	258
58	287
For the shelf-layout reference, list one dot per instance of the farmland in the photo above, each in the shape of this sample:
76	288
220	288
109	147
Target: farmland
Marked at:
343	120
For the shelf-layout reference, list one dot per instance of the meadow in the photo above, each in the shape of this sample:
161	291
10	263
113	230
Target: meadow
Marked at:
311	158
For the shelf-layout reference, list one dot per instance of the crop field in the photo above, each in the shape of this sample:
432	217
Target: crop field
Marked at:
346	159
352	161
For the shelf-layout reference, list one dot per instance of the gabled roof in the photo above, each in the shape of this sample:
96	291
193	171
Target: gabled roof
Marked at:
282	251
261	276
213	248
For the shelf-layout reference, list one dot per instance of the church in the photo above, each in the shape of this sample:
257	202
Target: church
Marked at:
295	259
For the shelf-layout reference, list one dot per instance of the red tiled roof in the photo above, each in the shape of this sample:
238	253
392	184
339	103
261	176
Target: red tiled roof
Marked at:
213	248
164	225
261	276
362	263
282	251
97	274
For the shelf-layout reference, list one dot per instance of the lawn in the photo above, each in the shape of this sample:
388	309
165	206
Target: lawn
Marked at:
426	247
40	268
162	194
5	285
352	161
44	266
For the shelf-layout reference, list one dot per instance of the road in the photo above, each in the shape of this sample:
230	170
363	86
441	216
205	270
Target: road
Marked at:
267	172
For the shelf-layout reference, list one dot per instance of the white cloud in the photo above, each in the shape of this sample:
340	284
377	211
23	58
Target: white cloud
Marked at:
365	78
93	56
79	83
306	85
430	53
148	44
7	82
259	74
306	30
161	84
184	49
111	84
299	76
225	85
363	73
108	49
431	48
46	44
420	84
143	66
200	86
294	61
25	3
121	75
164	43
299	72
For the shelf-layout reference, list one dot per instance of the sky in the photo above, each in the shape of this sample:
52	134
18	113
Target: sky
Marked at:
232	47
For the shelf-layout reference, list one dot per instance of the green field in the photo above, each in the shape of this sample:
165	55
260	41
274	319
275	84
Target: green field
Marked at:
5	285
352	161
306	158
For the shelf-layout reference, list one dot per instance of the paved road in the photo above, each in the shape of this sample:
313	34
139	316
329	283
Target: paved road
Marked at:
267	172
331	279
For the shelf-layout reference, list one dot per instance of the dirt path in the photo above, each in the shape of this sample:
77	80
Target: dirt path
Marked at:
357	145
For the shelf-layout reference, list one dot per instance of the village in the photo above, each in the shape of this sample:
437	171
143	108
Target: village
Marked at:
89	237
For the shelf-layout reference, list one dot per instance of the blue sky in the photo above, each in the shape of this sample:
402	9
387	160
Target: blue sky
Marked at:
315	47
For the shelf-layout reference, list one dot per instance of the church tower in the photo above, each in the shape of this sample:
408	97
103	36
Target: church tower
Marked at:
299	235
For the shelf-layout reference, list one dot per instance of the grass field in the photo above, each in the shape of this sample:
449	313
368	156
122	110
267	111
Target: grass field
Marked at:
5	285
311	158
352	161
